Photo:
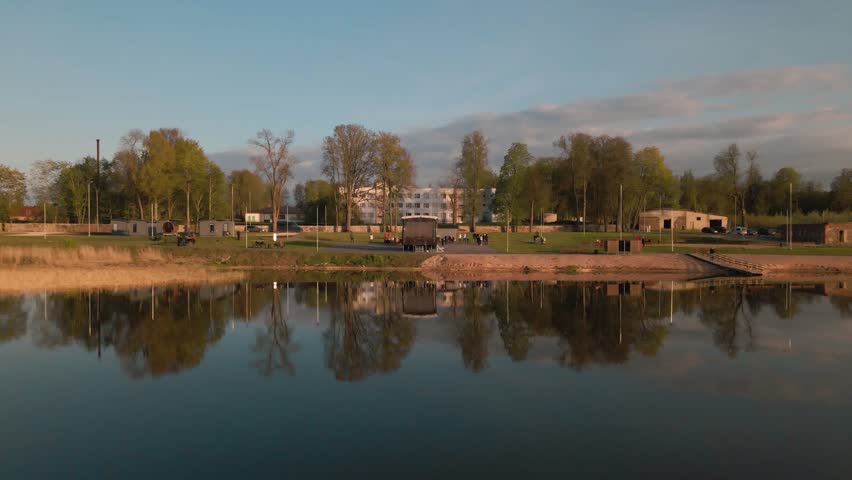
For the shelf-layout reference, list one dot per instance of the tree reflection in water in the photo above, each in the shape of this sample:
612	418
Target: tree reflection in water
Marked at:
364	337
370	327
274	341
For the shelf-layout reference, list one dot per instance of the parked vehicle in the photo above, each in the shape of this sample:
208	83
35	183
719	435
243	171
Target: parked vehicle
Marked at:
185	238
721	230
763	231
708	230
419	231
254	228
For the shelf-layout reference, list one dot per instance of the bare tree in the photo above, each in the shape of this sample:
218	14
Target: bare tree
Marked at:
348	161
274	165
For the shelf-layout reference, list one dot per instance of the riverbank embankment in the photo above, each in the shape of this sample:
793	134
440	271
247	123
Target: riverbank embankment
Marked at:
56	268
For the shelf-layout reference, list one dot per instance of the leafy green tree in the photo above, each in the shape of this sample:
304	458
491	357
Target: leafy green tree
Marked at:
779	189
474	172
349	163
754	196
689	191
156	181
573	172
654	178
508	200
394	171
841	191
247	186
190	171
319	200
13	190
727	165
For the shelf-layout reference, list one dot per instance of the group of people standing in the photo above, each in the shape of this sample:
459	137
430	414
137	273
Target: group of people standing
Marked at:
480	239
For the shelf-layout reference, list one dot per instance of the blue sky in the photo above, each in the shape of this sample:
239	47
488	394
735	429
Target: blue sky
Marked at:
76	71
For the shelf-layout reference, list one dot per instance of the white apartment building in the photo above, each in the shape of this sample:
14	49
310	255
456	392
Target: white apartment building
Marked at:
435	201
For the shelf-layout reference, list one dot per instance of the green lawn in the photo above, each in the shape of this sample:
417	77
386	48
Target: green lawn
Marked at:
305	244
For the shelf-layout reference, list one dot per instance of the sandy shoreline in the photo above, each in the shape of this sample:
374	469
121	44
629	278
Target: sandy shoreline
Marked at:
25	279
70	274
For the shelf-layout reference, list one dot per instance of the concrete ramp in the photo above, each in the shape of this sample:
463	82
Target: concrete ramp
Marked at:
733	265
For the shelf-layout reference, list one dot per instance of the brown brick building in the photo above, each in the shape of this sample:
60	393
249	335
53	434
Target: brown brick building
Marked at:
824	233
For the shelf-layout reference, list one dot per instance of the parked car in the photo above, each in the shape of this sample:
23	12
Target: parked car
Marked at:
763	231
721	230
708	230
185	238
254	228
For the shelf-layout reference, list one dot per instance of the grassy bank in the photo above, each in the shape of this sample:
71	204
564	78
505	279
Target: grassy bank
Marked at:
336	250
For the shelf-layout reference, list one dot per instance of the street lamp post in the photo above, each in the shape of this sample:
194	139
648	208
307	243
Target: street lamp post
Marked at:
660	194
89	205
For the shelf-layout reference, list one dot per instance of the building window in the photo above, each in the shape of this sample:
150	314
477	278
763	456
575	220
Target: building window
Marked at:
425	195
134	228
699	218
212	228
425	205
416	205
407	205
399	205
416	195
443	195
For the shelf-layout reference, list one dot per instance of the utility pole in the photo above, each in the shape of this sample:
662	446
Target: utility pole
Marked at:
247	219
89	205
660	194
44	220
232	204
584	205
97	181
620	211
790	220
673	229
317	228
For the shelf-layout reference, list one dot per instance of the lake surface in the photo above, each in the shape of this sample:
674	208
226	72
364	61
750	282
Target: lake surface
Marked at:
414	379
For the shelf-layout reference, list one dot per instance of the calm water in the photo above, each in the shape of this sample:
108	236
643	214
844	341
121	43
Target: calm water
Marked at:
412	379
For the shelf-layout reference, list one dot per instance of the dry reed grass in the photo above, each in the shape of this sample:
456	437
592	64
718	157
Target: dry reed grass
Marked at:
17	280
84	255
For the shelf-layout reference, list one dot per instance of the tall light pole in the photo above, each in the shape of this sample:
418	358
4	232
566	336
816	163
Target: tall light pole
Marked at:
247	218
660	194
97	181
89	205
317	228
507	232
620	211
790	220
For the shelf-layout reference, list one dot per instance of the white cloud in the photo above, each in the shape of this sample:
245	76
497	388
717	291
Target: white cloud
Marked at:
674	116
